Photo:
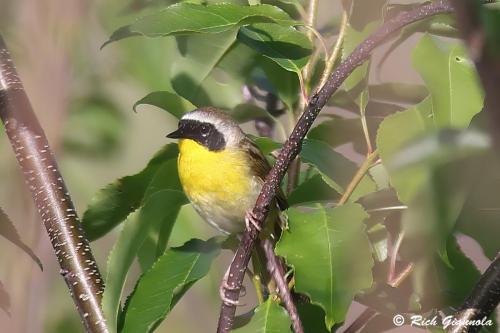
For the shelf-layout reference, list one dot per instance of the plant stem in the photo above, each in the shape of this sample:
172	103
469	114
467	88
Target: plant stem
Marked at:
312	12
37	161
335	52
292	146
275	268
361	321
363	169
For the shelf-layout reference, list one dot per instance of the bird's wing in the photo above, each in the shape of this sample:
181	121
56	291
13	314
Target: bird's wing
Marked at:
261	167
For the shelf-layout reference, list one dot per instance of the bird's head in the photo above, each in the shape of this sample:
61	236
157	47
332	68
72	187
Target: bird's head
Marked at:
210	127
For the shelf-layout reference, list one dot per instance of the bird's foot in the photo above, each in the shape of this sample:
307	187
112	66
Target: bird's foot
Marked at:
250	218
224	287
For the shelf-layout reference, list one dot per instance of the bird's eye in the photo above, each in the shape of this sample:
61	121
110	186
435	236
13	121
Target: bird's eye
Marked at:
205	130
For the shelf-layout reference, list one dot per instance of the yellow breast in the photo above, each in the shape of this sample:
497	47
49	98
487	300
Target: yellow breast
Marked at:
219	184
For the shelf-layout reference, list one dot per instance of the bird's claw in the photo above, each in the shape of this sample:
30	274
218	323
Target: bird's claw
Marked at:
250	218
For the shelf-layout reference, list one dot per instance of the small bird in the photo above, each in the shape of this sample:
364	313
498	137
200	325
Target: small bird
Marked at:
222	172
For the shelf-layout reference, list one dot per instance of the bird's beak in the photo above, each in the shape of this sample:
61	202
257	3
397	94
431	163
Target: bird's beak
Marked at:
177	134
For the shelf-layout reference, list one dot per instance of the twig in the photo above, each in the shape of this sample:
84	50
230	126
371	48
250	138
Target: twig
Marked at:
481	302
358	176
293	145
485	296
78	266
275	268
361	321
335	52
273	263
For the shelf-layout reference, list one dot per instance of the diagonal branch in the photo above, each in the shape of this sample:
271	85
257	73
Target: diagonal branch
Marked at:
485	296
293	145
37	161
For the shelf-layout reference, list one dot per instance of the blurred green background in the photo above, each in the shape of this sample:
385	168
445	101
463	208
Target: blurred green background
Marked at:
83	97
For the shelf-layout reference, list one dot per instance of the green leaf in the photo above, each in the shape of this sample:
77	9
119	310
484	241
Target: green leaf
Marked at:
336	170
196	74
165	100
320	245
394	132
455	97
339	131
356	82
451	79
285	83
247	112
398	92
458	279
379	240
188	18
312	317
175	271
269	317
156	211
115	202
9	232
490	20
266	145
314	189
441	147
286	46
480	215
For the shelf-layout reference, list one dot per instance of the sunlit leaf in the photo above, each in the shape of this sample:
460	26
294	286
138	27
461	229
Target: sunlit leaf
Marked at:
451	79
9	232
286	46
165	100
269	317
177	269
186	17
332	236
116	201
157	210
397	130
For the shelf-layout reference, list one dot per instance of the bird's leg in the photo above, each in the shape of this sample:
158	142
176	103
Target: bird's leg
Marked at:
250	218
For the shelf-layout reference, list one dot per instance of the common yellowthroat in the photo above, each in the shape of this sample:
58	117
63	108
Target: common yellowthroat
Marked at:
221	170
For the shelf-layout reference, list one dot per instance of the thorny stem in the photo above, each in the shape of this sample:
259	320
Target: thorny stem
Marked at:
335	52
37	161
293	145
363	169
